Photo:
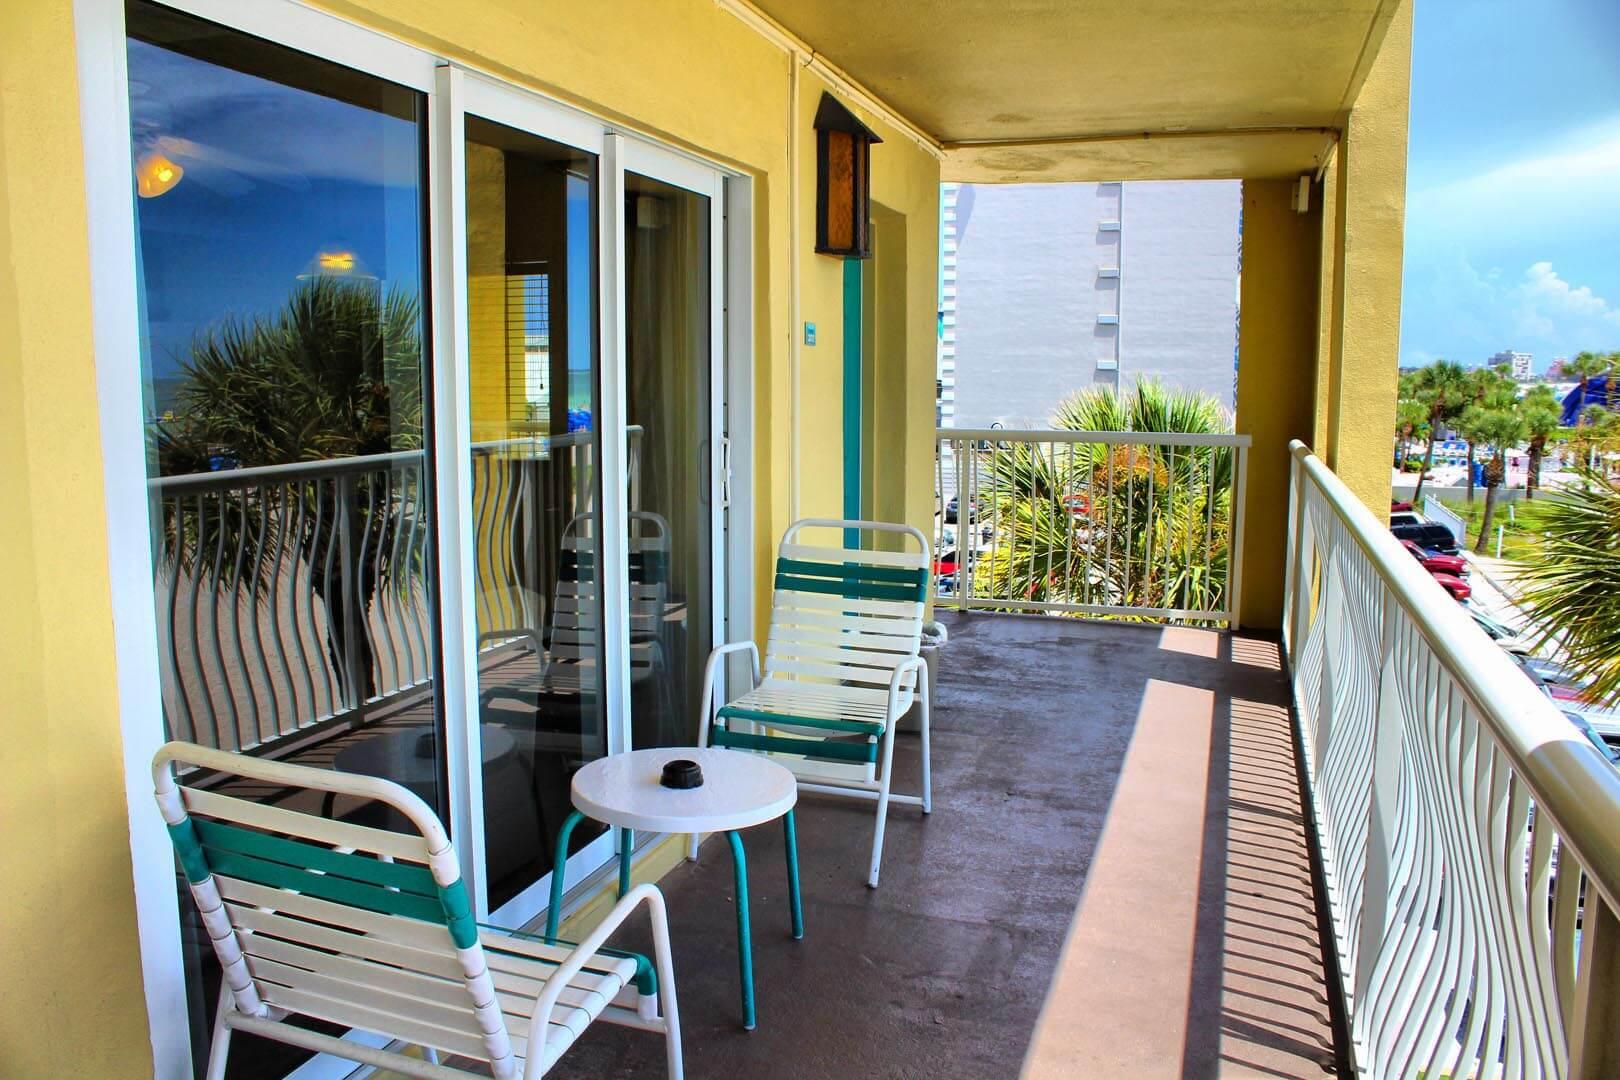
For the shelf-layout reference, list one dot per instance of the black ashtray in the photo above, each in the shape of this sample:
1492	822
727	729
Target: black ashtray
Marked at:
682	774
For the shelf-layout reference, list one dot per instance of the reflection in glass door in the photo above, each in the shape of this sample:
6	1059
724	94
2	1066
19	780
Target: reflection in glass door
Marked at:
668	381
280	239
533	388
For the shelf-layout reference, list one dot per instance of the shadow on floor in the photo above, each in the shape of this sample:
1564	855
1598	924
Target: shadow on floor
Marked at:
1117	836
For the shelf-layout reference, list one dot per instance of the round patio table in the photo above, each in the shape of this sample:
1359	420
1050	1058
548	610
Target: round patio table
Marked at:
739	790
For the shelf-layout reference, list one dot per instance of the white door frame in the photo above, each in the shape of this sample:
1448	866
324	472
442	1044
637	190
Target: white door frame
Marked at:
659	163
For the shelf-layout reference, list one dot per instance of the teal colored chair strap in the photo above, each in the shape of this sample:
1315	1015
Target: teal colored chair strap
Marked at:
815	749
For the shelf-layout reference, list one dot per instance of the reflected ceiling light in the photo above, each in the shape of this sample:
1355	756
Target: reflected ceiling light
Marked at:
155	175
336	261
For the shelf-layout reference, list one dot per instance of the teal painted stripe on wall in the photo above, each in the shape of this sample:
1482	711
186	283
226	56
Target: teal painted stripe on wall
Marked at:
853	377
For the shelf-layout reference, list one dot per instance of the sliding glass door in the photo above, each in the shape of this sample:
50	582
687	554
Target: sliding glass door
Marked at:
280	223
534	393
671	381
433	402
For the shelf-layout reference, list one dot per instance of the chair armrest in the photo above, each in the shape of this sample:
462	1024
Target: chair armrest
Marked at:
583	954
706	713
735	646
910	663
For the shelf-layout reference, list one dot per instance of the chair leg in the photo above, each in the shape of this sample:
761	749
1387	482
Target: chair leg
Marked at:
790	838
220	1047
883	804
673	1066
927	772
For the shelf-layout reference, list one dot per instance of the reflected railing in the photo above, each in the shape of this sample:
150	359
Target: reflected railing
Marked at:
1141	525
291	596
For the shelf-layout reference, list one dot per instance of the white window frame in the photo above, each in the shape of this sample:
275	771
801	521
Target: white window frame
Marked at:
451	91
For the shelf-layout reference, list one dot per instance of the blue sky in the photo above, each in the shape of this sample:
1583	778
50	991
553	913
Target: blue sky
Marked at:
1513	181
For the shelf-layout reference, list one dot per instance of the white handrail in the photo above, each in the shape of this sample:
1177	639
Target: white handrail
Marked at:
1115	438
1571	781
1468	836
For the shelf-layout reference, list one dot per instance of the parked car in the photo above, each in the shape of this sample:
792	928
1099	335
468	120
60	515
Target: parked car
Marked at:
1436	563
951	509
1397	506
1459	589
1564	683
1423	532
1584	726
1514	642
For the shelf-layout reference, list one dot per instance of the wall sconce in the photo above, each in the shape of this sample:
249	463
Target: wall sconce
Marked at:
155	175
843	182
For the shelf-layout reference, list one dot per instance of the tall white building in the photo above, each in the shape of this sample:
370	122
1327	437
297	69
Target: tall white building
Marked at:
1519	362
1047	288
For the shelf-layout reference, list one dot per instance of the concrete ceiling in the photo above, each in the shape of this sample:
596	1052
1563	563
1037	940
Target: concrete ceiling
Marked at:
1046	87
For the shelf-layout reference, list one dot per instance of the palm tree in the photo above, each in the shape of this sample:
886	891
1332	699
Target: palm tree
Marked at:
1539	408
1571	589
1500	429
334	373
1440	385
1411	422
1113	524
1486	388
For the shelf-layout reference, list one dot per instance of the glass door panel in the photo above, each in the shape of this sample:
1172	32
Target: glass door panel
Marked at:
669	381
533	400
280	238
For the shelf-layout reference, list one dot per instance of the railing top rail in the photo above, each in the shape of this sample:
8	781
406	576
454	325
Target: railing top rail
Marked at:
1121	438
231	478
1570	780
360	463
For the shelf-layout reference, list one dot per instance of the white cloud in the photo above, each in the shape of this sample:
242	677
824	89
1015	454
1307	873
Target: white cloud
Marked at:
1544	296
1455	310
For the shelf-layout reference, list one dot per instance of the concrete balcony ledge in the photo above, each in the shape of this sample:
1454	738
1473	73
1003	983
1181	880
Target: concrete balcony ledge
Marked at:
1114	882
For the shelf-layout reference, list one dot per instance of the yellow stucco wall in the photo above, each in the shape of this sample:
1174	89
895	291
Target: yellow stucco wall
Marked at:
70	986
683	71
1358	400
1276	378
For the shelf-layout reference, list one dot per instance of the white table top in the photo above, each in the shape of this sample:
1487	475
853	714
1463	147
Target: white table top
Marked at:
739	789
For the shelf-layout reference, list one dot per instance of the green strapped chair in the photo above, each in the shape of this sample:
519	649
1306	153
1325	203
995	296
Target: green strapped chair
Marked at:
841	666
372	929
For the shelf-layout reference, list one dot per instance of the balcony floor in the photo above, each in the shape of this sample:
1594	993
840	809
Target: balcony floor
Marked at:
1114	882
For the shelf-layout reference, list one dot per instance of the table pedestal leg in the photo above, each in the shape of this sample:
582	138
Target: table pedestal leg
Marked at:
791	836
745	943
559	865
627	841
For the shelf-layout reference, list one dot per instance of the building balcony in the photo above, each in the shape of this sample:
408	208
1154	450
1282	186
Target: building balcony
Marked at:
1114	882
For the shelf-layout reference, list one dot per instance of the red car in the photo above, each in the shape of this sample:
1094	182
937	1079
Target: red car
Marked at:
1448	570
1456	586
1436	563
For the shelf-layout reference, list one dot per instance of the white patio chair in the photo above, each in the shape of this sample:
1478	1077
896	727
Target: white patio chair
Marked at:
841	667
372	929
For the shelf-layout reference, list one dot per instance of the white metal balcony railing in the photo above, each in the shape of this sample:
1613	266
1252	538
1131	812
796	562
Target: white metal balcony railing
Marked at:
1108	523
1468	835
291	595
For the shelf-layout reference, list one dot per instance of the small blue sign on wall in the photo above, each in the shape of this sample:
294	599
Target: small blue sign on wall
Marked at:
809	333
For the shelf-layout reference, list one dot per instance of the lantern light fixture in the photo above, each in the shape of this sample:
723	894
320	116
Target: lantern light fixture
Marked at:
843	181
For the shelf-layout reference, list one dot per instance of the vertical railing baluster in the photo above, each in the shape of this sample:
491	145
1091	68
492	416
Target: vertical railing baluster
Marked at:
351	655
240	660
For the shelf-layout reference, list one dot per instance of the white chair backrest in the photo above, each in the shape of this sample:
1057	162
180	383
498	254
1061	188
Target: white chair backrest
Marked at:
575	635
350	924
846	615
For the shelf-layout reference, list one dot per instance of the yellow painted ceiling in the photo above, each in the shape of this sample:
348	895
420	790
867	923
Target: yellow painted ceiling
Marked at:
1018	73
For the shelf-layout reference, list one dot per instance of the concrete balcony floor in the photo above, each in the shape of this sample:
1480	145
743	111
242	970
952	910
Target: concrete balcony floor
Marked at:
1114	882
